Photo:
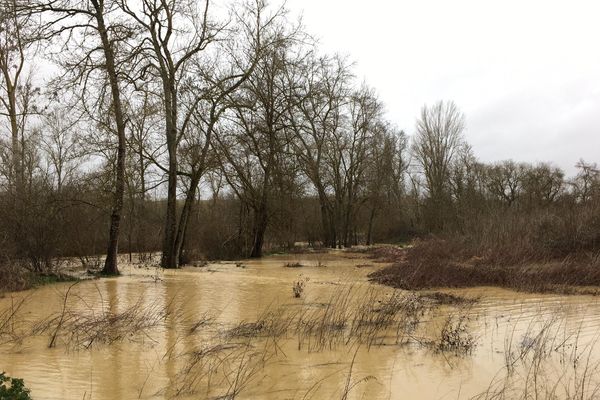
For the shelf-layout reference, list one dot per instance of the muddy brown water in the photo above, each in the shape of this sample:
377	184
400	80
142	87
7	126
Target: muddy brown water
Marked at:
152	363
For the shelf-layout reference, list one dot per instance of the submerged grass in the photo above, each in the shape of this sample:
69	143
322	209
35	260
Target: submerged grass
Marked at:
270	323
353	316
84	328
220	371
546	361
230	360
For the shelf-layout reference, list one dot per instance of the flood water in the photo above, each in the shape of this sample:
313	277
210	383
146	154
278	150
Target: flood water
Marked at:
189	334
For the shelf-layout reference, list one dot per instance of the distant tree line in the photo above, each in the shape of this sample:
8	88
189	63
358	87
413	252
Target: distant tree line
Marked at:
203	130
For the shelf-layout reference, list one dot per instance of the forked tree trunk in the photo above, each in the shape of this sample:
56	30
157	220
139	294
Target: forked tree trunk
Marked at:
185	216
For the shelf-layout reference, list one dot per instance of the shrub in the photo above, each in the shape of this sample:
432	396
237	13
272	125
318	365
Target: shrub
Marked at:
298	288
13	388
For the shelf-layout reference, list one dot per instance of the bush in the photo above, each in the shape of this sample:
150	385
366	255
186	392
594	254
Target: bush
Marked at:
13	388
13	277
438	263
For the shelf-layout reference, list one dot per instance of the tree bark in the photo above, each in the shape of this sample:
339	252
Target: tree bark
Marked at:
169	249
260	227
370	229
186	211
110	264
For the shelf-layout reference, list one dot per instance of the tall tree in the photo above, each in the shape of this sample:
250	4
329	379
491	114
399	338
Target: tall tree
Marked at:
320	89
16	89
255	143
233	63
86	22
437	142
173	33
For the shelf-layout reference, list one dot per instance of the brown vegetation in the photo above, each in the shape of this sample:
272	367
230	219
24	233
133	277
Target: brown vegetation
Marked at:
529	372
439	263
84	328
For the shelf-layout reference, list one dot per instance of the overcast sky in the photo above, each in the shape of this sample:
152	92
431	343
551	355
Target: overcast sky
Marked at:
526	73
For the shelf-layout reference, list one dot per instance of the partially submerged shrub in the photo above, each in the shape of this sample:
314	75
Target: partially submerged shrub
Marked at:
11	322
293	265
92	264
13	388
374	316
455	335
437	263
298	288
220	371
547	361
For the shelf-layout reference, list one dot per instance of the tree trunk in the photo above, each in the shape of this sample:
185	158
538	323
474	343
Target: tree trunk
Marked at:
169	257
325	222
185	216
110	264
169	250
370	229
15	143
260	227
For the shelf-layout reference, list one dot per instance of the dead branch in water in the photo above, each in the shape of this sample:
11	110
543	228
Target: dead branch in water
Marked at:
11	323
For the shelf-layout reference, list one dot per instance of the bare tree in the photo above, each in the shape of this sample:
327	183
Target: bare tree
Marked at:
144	122
436	144
174	32
587	182
356	152
504	181
542	184
254	145
321	91
84	22
385	178
62	145
16	89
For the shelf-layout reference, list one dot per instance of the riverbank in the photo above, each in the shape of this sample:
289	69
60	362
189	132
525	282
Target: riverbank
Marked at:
436	263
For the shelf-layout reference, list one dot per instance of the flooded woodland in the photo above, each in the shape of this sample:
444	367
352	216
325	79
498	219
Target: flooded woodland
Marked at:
240	330
203	199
